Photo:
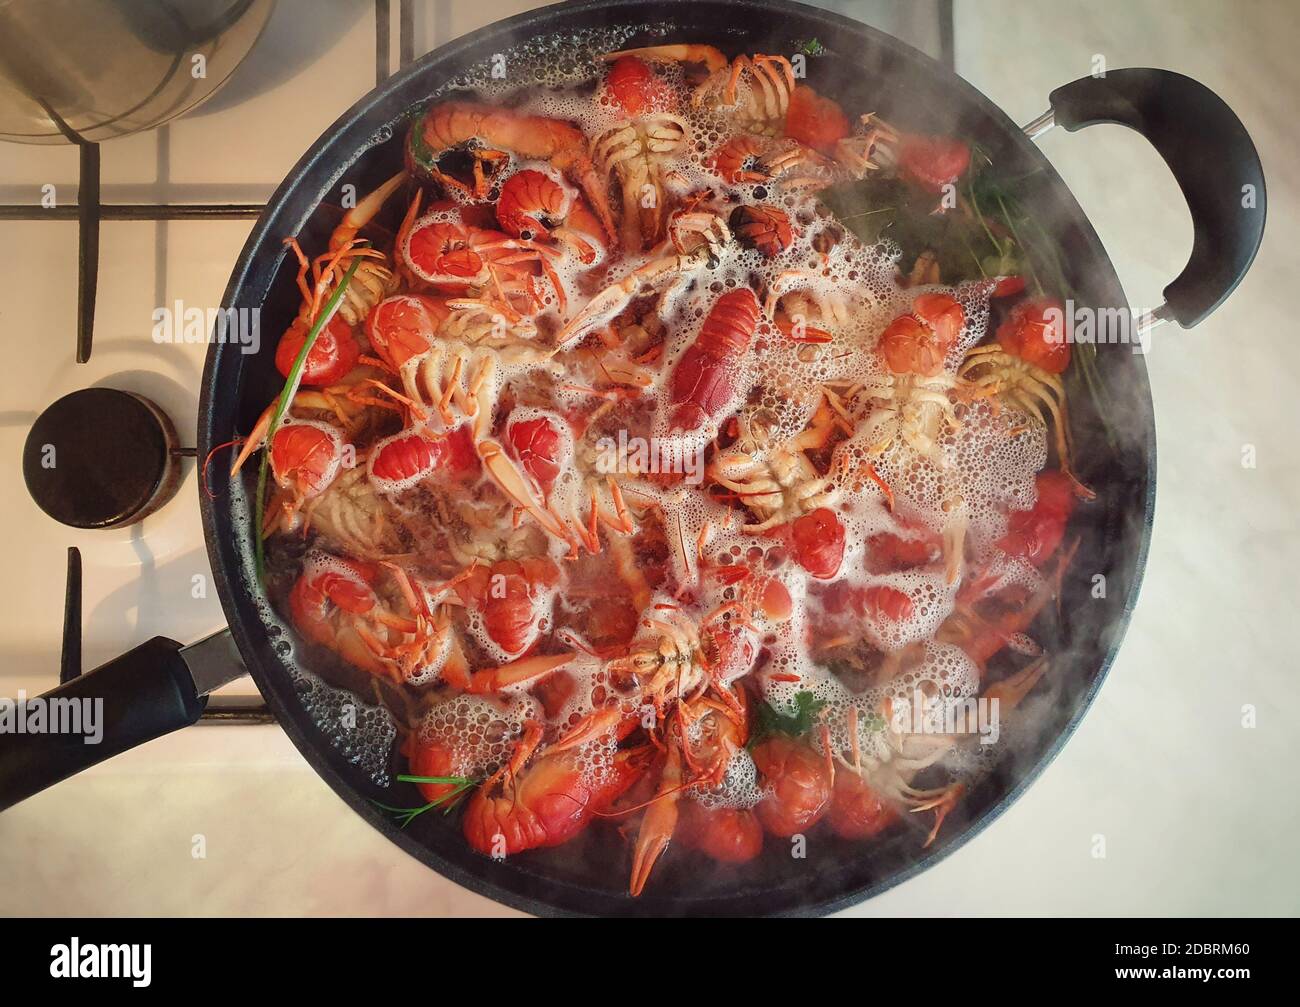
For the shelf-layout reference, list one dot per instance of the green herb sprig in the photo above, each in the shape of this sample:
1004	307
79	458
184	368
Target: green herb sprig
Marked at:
769	720
447	801
290	389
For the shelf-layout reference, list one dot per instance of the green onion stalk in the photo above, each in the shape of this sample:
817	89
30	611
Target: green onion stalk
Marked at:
290	389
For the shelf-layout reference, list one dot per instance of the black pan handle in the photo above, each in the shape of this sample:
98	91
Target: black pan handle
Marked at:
142	695
1212	158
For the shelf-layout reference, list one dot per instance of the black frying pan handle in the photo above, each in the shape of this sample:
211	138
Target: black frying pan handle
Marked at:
1212	158
145	693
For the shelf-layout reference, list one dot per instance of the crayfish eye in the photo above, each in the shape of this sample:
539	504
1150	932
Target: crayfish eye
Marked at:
526	235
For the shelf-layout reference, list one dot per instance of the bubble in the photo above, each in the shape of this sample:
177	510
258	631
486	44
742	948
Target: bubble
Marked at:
480	732
740	787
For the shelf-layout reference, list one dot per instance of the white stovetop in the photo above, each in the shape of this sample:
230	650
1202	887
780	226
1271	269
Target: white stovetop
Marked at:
1199	814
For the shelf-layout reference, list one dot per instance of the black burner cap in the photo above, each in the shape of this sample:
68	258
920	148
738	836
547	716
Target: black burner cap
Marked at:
101	458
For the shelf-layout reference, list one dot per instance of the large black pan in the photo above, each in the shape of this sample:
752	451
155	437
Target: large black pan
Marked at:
152	690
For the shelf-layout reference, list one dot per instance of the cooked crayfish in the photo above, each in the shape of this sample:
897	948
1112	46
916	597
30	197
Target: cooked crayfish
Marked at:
534	206
638	148
1024	367
525	806
777	481
697	238
381	624
374	278
912	400
488	135
704	379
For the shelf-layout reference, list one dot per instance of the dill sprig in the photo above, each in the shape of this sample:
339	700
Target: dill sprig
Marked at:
447	801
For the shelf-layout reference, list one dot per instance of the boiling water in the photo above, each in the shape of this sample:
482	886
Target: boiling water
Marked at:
977	474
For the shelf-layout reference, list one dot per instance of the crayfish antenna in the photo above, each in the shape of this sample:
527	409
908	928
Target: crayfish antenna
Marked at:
255	438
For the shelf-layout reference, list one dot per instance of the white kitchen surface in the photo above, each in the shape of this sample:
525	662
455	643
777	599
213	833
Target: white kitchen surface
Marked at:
1199	814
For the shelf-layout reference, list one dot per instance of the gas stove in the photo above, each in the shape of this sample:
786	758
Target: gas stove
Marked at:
121	243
